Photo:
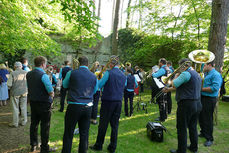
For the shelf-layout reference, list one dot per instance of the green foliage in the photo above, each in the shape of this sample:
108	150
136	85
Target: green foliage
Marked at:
20	30
145	50
79	13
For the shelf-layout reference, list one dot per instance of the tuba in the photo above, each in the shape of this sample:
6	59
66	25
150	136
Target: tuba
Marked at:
200	57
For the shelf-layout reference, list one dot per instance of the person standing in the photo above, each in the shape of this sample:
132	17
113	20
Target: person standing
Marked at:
25	64
113	82
161	100
63	91
129	91
40	94
188	87
3	84
18	97
209	94
81	84
169	98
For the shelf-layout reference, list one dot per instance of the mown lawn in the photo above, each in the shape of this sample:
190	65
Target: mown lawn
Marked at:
132	136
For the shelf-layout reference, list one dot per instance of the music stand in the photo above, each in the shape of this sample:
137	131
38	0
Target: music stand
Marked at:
139	102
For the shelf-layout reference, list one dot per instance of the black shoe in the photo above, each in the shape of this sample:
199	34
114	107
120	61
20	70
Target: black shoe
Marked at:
201	135
208	143
173	151
49	150
95	148
190	149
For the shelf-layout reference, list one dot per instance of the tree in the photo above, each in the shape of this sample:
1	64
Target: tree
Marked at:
128	14
218	30
115	29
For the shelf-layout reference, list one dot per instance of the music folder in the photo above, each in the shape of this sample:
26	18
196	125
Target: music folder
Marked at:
137	78
159	83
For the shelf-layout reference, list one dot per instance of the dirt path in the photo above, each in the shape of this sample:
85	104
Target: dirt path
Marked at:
12	140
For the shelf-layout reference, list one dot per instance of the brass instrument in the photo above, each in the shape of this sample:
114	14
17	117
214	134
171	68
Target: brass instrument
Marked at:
200	57
75	63
105	67
165	80
94	67
128	64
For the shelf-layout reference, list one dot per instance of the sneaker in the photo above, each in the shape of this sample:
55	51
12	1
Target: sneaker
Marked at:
33	148
208	143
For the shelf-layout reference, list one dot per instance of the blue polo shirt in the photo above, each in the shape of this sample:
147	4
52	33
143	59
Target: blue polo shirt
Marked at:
171	69
46	81
212	79
66	84
160	72
182	78
103	81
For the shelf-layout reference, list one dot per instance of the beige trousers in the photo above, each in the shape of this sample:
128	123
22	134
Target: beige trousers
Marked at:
22	102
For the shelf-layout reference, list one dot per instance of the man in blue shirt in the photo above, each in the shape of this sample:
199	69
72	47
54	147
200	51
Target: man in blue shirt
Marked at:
63	91
188	86
81	84
162	100
209	94
40	94
113	82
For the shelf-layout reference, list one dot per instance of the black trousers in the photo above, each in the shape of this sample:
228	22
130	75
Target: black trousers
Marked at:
187	116
109	113
141	87
95	105
40	113
63	92
162	103
206	116
80	114
128	96
169	102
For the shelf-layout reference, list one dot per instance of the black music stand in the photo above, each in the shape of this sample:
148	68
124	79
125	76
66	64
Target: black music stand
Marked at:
139	102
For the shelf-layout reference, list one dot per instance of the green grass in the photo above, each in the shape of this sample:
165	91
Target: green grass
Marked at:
132	136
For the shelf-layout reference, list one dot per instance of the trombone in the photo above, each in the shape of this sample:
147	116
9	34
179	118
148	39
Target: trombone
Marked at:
165	80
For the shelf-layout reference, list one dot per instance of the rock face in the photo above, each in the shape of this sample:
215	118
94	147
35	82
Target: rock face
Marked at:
101	52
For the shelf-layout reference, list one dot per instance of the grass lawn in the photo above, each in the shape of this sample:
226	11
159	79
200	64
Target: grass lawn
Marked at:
132	136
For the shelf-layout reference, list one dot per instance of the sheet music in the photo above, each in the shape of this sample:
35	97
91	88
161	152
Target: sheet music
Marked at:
137	78
159	83
157	124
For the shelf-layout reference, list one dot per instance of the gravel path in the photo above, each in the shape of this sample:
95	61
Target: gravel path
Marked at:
12	140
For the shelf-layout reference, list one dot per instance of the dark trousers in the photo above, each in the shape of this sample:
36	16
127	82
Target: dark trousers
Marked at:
206	116
81	114
162	103
141	87
95	105
63	92
169	102
128	96
109	113
187	115
40	113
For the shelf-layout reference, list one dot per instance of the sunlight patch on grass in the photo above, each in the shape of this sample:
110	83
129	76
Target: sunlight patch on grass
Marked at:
137	116
132	132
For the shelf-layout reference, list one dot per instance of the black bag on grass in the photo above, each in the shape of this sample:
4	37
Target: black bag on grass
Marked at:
155	131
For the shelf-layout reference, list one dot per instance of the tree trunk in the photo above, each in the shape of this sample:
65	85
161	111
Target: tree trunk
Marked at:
115	29
113	12
128	14
140	15
218	30
99	8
